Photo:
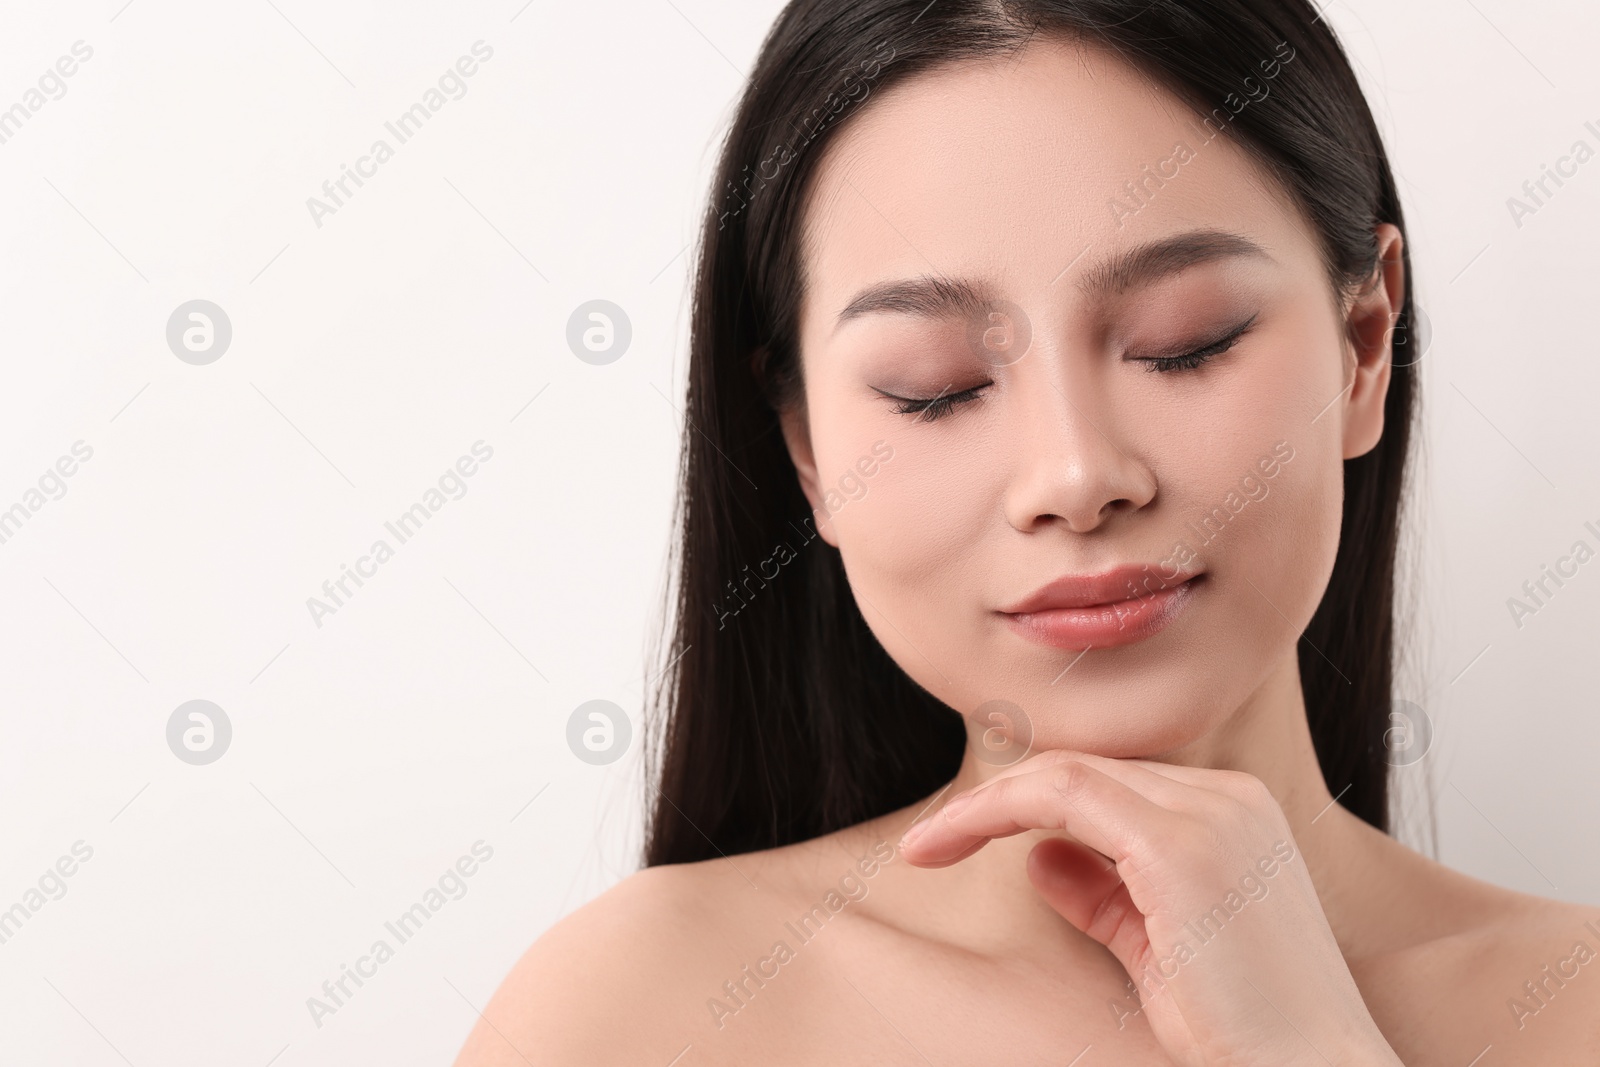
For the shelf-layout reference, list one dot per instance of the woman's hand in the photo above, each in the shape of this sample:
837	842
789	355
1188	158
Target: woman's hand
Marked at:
1206	902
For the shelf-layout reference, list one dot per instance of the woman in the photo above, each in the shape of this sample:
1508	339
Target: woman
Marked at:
1047	366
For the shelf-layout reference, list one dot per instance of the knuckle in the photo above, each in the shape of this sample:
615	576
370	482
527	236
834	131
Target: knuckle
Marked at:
1053	757
1068	779
1247	787
1237	799
1235	811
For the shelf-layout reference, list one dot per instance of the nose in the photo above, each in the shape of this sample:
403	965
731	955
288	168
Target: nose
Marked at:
1071	469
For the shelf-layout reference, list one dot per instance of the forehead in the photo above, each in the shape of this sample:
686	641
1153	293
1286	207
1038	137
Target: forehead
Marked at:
1010	167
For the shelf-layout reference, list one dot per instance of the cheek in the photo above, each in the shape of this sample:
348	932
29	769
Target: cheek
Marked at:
915	531
1288	552
1273	477
914	548
1275	556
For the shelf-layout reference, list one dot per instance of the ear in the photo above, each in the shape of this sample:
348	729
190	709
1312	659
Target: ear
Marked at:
797	436
1372	317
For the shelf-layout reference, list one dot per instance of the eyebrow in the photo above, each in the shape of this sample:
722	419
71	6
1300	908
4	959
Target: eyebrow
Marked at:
934	297
1165	257
926	297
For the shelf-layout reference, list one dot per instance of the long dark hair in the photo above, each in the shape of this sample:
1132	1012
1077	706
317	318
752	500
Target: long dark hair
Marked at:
776	716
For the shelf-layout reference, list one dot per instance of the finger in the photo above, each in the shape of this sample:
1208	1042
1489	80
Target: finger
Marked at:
948	860
1210	779
1054	757
1097	809
1170	785
1164	784
1201	777
1156	787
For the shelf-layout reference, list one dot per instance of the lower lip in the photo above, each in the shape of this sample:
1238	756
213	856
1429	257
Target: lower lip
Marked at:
1104	625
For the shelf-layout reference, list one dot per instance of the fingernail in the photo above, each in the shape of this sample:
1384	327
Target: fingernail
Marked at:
914	833
956	804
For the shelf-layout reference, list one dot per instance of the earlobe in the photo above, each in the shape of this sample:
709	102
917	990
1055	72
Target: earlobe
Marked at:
797	437
1372	318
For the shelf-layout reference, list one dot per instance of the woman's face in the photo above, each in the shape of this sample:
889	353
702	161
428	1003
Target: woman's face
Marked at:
1029	185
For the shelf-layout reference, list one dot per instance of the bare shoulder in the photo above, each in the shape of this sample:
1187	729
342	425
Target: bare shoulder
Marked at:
643	972
1474	972
1521	983
599	985
1541	974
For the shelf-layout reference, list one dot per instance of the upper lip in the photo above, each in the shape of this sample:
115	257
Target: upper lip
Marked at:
1092	590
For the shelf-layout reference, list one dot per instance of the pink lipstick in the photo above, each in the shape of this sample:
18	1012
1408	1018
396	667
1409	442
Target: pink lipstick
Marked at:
1117	607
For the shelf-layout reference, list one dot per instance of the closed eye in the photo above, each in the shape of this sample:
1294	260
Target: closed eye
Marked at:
934	407
927	409
1191	360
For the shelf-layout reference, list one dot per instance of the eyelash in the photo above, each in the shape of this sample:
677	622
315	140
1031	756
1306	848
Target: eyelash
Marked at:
1191	360
937	407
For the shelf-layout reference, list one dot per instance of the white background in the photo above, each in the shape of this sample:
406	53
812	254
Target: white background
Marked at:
430	312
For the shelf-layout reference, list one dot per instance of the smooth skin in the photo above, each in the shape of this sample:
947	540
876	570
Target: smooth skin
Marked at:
1163	780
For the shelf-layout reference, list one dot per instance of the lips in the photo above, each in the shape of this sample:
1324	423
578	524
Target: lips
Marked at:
1117	607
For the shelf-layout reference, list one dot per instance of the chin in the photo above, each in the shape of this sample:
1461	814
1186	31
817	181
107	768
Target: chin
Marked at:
1157	731
1140	701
